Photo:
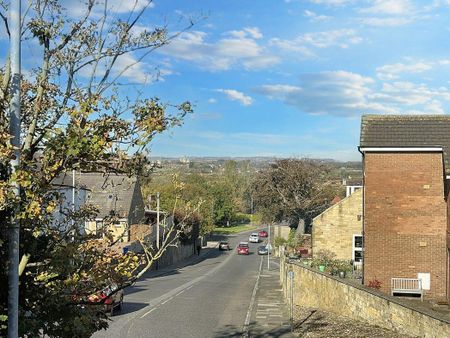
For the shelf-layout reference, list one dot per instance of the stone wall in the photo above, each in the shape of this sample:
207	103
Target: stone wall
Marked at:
318	290
405	216
281	231
175	254
333	229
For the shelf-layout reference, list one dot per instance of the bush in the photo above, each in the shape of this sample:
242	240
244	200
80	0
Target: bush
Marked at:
375	284
239	218
324	257
279	241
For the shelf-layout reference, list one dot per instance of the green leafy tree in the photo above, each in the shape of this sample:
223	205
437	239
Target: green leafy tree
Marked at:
75	116
292	190
223	207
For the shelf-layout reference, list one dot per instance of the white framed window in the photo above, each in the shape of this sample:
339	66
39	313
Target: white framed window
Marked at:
98	224
357	248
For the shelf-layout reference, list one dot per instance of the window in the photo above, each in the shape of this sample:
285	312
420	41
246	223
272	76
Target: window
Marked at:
98	225
357	248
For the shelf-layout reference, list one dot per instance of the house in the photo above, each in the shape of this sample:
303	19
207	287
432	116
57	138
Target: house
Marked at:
339	229
406	163
71	198
118	199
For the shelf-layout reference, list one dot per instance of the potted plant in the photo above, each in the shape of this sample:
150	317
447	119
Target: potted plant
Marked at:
324	259
344	268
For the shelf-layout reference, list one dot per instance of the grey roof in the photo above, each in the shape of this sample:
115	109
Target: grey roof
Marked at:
407	131
110	193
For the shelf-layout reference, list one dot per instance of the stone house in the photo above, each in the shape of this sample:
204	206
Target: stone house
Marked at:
339	229
119	201
406	167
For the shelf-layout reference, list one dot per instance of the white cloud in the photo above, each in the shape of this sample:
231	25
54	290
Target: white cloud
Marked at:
254	32
235	95
347	94
304	44
393	71
390	7
238	49
315	17
136	72
212	100
331	2
383	22
335	93
78	8
128	66
391	13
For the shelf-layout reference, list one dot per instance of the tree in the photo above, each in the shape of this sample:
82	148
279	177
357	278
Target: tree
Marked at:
292	190
223	206
75	115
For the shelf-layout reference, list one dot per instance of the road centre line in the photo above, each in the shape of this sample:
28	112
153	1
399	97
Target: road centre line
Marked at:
169	299
148	312
174	292
179	293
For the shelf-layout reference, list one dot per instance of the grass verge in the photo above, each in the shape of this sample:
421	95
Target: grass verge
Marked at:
234	229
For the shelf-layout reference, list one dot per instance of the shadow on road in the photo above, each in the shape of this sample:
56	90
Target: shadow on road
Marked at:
129	307
229	331
206	254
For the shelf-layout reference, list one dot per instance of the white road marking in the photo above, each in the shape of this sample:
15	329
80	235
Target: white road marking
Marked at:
148	312
167	300
179	293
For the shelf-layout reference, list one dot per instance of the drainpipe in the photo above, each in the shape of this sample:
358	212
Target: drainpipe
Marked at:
363	215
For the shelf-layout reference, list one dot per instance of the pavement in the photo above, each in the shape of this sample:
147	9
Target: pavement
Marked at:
270	315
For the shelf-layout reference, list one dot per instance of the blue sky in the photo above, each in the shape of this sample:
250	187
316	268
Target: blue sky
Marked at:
293	77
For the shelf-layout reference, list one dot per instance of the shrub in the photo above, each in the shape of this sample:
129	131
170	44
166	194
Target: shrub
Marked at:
279	241
375	284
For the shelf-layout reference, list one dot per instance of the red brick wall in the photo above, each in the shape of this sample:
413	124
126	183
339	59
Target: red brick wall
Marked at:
405	219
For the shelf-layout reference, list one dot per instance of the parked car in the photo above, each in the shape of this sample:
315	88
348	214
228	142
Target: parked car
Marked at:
262	250
263	233
254	238
243	249
224	246
110	297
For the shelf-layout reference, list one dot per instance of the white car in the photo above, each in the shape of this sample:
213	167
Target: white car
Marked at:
254	238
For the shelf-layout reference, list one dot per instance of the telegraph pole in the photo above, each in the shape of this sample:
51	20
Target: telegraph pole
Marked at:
269	247
157	220
14	128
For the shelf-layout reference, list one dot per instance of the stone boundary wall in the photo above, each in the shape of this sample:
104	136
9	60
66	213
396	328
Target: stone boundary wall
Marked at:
175	254
318	290
171	256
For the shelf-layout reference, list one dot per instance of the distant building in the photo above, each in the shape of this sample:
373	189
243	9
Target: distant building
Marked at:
339	229
406	164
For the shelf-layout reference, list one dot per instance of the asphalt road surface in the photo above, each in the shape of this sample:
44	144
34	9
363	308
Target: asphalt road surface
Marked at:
208	299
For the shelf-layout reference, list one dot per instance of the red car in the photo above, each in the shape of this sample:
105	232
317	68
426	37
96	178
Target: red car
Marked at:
242	248
110	297
263	233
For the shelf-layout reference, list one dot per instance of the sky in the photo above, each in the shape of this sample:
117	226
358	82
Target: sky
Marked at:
291	78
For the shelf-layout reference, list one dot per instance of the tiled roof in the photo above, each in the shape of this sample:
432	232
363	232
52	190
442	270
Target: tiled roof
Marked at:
109	192
407	131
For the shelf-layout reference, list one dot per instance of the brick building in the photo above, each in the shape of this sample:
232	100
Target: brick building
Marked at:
339	229
406	188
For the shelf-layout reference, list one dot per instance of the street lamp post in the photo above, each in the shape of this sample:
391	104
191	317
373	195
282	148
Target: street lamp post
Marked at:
14	125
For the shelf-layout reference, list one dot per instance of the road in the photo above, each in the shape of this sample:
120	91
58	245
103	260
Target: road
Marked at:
208	299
